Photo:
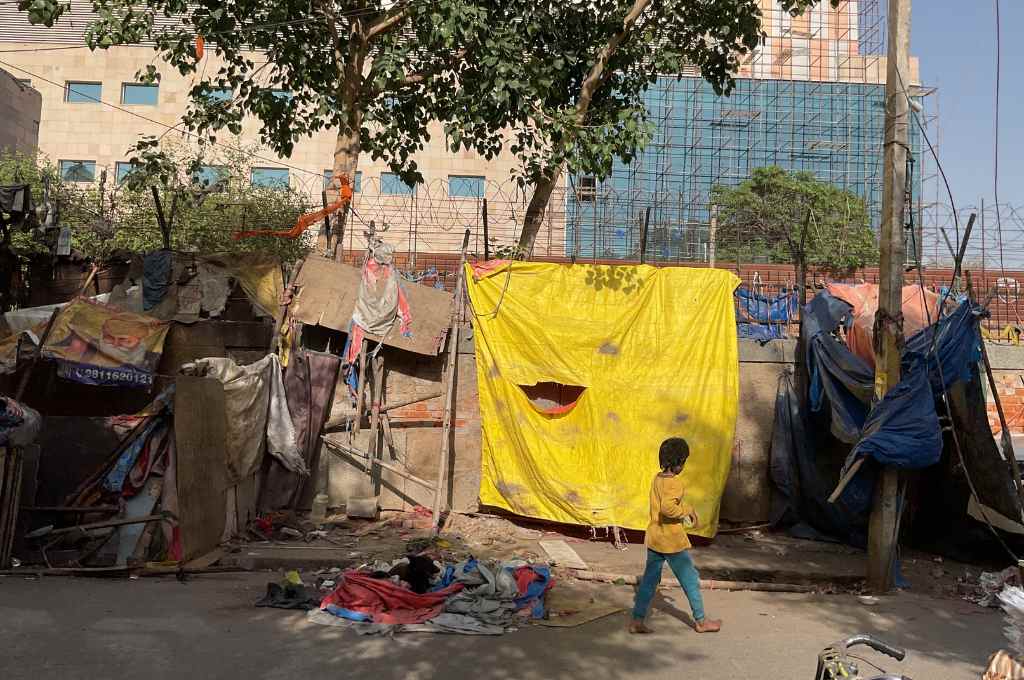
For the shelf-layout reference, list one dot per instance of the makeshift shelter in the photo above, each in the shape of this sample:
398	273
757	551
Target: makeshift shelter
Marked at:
821	434
583	370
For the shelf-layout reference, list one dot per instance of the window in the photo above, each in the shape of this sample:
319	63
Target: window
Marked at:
215	176
27	82
588	189
220	94
122	169
390	183
282	94
357	183
465	186
82	93
276	178
78	171
136	94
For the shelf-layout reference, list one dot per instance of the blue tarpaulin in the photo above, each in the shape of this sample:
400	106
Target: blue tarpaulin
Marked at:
901	430
751	306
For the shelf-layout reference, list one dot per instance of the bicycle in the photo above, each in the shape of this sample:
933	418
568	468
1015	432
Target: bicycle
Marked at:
834	663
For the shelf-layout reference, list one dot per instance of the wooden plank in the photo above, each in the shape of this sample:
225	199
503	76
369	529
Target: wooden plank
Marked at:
562	554
207	560
449	389
375	447
327	293
200	431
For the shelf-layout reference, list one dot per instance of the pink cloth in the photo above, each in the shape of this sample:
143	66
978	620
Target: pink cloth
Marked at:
864	300
386	602
487	267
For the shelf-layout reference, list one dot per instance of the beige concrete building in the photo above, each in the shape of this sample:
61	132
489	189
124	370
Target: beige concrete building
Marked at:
20	108
93	111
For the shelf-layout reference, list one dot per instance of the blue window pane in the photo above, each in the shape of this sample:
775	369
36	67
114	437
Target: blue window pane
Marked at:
282	94
140	95
220	94
276	178
82	93
390	183
465	186
78	171
212	175
122	170
357	184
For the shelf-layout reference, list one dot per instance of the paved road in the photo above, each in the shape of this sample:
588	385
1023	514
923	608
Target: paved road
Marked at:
207	628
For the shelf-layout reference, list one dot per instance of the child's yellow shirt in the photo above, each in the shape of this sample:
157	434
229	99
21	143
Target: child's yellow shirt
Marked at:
666	532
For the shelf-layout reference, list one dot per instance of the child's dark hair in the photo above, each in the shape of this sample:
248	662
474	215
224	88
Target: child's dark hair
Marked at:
673	453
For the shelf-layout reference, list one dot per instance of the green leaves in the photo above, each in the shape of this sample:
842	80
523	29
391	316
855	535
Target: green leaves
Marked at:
767	214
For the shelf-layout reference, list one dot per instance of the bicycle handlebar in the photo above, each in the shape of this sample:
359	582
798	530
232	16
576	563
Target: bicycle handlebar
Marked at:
875	644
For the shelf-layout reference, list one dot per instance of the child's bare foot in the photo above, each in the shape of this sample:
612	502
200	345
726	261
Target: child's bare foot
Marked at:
639	628
708	626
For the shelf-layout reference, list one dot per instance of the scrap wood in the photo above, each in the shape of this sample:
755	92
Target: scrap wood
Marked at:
104	525
68	571
709	584
346	418
562	555
76	497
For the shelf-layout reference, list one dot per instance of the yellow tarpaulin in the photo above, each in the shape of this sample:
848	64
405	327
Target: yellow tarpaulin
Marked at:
654	351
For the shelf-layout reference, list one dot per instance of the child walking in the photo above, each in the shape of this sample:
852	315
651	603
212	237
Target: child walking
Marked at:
667	540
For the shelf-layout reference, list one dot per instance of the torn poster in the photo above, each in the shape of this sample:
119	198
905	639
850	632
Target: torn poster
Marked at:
99	345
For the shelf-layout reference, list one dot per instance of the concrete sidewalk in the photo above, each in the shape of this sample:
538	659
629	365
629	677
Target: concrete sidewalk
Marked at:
158	628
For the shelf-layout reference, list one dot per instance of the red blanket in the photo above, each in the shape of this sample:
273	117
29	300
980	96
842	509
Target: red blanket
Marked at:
386	602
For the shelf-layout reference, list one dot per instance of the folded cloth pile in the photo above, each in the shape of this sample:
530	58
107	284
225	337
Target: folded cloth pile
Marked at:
473	597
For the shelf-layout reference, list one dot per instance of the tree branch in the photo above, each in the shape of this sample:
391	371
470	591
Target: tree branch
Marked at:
390	20
598	75
371	91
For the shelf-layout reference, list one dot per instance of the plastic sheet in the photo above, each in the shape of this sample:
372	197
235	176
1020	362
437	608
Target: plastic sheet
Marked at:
654	351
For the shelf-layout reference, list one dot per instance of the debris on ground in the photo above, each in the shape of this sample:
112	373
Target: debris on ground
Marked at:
415	594
986	592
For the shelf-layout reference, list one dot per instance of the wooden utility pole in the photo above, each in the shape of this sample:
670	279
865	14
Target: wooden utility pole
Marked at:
883	527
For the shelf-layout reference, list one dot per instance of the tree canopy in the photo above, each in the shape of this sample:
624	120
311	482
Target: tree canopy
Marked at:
569	78
795	217
559	84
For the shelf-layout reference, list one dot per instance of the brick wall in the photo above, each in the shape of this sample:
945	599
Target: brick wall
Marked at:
1011	396
1006	308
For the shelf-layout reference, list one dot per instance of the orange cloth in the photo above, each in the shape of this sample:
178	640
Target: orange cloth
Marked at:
864	299
304	221
666	532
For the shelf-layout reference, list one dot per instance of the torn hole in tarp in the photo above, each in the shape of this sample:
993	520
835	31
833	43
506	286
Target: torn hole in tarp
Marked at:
552	398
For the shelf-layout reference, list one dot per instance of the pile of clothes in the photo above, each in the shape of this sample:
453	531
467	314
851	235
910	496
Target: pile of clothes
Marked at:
415	594
19	424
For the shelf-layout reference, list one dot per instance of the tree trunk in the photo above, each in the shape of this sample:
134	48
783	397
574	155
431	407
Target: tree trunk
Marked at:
597	76
535	211
346	147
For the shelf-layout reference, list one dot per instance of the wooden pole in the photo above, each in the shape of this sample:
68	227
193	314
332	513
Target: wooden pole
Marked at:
487	236
449	386
643	235
357	424
377	366
882	538
712	236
